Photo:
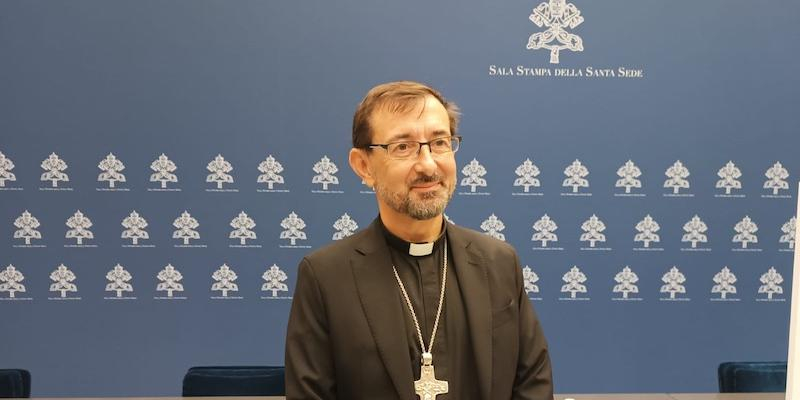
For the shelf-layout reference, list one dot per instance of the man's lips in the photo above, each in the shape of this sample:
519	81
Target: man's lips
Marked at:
425	186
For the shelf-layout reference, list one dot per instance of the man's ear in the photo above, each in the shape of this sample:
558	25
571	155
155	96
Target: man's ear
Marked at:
359	162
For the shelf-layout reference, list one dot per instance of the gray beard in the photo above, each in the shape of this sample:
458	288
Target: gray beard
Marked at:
428	207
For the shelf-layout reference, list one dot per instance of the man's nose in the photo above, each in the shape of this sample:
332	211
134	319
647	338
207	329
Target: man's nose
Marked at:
425	161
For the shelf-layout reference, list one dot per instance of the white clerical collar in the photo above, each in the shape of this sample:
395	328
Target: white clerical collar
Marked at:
413	249
420	249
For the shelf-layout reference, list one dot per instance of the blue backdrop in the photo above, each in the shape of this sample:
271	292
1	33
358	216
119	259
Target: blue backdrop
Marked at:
655	82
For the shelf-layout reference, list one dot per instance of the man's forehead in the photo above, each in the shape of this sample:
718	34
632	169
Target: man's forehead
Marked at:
424	116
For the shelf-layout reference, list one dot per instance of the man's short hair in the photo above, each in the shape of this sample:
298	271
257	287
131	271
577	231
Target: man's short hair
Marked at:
396	97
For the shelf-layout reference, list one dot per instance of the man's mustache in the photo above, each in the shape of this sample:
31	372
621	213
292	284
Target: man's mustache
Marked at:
427	179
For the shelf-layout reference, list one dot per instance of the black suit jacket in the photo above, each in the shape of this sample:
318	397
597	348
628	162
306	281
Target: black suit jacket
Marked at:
346	335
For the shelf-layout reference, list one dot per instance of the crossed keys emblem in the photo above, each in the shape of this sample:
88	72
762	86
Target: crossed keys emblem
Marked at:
557	16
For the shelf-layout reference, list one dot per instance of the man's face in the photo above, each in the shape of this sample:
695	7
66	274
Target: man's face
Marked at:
421	186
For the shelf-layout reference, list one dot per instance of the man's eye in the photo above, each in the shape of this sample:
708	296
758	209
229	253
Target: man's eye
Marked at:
402	147
441	143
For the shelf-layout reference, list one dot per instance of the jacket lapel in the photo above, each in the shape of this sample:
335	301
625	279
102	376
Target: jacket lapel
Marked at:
383	307
474	283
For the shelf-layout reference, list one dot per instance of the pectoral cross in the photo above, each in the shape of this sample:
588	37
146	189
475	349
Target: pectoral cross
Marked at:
427	387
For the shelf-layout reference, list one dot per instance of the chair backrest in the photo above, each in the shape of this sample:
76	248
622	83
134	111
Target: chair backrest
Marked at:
15	383
752	377
234	381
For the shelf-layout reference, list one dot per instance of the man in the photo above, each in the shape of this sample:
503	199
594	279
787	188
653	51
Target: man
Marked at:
412	306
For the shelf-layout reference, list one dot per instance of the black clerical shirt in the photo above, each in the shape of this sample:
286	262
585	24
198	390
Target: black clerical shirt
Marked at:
453	359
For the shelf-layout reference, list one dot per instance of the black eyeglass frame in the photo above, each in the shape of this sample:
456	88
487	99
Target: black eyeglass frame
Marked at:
457	138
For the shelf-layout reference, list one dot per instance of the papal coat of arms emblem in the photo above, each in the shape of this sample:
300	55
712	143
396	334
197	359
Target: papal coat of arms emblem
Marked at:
557	16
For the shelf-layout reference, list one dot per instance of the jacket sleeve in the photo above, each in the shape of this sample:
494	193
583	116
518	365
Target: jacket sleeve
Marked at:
534	378
309	364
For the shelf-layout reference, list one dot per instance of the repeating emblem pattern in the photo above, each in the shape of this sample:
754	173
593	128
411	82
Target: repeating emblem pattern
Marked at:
771	284
6	165
163	172
345	226
676	177
10	279
646	232
527	174
273	282
325	170
629	175
293	227
27	224
54	168
745	232
776	178
545	230
529	279
575	280
224	279
724	284
242	228
673	284
473	175
626	283
695	230
729	178
118	279
112	171
557	16
576	176
79	225
270	170
219	169
62	279
789	229
593	231
186	228
134	225
169	281
493	227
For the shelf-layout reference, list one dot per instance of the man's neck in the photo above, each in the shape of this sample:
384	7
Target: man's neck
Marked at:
412	230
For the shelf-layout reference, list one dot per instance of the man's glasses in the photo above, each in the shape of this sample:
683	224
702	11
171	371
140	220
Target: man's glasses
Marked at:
409	149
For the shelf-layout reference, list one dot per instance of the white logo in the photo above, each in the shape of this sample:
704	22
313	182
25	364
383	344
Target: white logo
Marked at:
119	279
574	279
111	168
54	167
776	176
62	278
293	226
345	226
789	228
270	172
724	280
6	165
186	225
647	229
242	228
592	229
219	169
134	228
730	175
557	16
326	173
473	172
493	226
628	174
27	225
695	231
170	278
274	279
576	173
677	175
771	283
224	278
544	228
674	281
745	232
11	279
163	169
626	282
527	173
79	225
529	279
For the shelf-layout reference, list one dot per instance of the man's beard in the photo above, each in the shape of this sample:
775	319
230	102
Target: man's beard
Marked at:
427	205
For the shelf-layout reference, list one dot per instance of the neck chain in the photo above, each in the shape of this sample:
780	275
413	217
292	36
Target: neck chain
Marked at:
438	311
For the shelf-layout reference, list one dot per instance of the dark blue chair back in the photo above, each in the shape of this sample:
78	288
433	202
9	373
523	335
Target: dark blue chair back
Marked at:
234	381
15	383
741	377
